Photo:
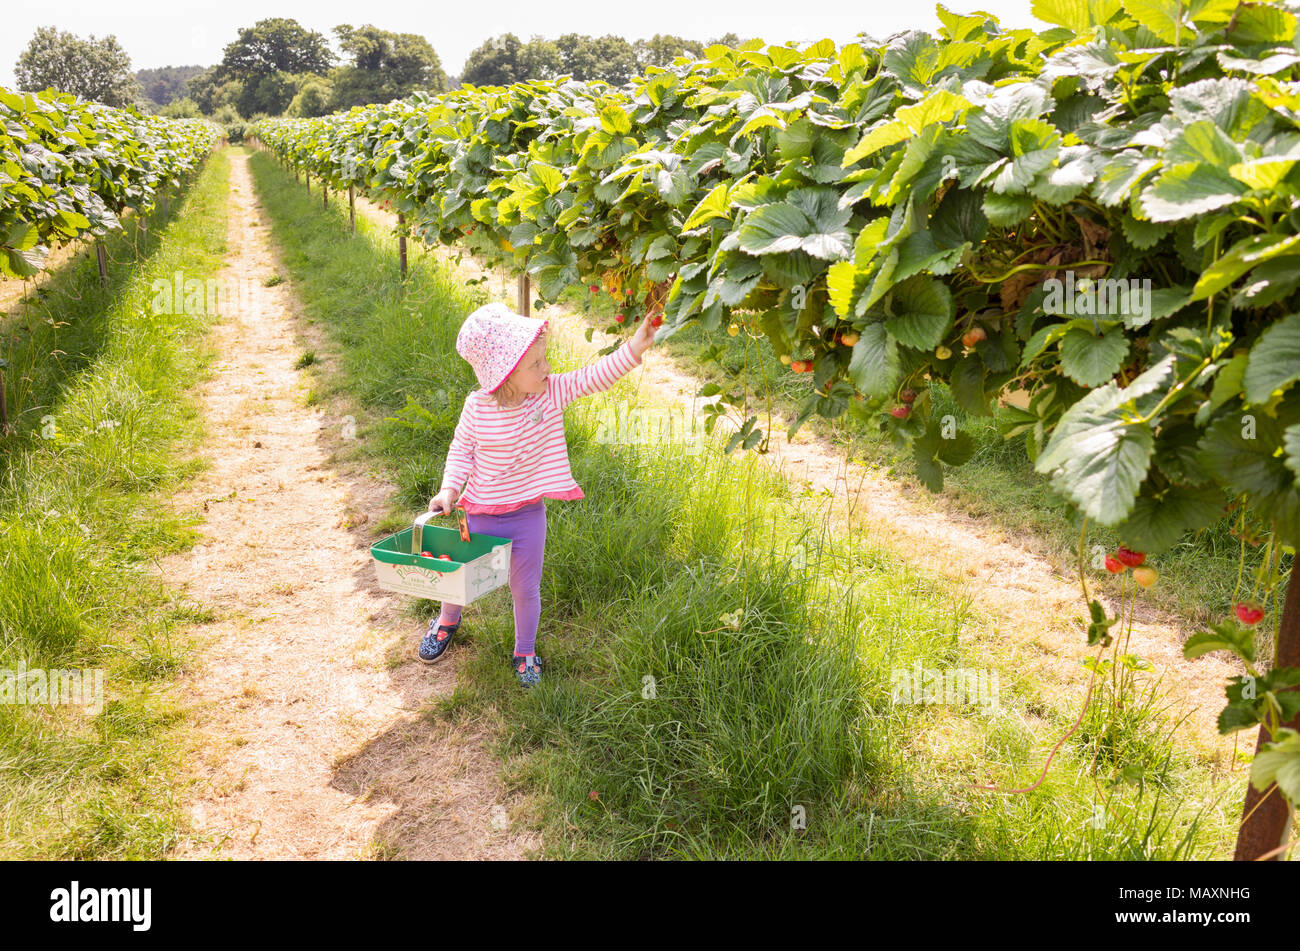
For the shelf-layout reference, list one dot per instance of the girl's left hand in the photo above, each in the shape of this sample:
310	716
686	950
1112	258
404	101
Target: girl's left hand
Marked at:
644	338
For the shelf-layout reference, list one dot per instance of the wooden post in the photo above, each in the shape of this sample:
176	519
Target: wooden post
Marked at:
401	241
523	292
102	260
352	208
1269	822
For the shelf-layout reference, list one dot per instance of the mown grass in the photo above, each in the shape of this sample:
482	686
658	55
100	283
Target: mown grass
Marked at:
662	730
1199	575
101	406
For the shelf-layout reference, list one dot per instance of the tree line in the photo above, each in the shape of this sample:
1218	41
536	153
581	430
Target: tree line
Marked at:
278	67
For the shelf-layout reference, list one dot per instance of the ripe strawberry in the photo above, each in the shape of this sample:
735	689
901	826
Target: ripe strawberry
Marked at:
1145	575
908	395
594	289
426	554
900	412
657	320
1130	557
620	318
1248	613
973	336
1113	565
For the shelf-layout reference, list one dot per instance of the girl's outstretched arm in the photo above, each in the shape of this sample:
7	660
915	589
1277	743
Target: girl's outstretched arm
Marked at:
598	376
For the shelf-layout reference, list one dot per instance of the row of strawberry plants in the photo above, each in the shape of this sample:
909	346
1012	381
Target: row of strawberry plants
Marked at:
69	168
1105	215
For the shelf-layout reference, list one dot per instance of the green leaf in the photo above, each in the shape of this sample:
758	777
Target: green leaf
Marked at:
1007	210
1100	451
1161	17
1279	762
1188	191
1202	141
1156	524
923	312
1227	636
1291	442
1240	258
967	385
840	278
1091	360
1274	360
1077	16
874	367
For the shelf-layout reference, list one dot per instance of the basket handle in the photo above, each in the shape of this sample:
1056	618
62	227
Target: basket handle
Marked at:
417	533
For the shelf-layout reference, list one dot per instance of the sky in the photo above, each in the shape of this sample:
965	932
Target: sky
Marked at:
185	32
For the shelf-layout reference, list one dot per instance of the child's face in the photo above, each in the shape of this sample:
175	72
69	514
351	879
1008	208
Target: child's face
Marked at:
533	370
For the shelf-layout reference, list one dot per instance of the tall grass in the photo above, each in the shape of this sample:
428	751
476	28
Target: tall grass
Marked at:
661	727
103	411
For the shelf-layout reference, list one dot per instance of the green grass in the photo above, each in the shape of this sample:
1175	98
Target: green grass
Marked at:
1199	576
102	410
741	730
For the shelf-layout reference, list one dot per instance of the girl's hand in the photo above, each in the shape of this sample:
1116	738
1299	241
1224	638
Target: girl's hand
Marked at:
644	338
444	502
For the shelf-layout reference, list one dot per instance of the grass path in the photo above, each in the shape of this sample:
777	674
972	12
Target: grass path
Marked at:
1033	598
310	736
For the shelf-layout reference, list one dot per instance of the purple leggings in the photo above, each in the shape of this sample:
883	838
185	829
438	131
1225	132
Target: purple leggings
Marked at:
526	527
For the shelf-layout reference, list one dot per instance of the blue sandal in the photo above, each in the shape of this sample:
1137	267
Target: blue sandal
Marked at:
436	640
528	668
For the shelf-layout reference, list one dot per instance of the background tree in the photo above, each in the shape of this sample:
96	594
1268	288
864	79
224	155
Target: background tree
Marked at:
211	93
167	83
662	48
98	70
541	59
182	108
385	66
276	45
315	98
495	63
608	57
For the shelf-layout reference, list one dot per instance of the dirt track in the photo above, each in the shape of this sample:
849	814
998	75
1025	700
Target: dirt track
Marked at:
310	742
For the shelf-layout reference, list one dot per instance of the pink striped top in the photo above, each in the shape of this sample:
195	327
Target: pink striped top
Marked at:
514	457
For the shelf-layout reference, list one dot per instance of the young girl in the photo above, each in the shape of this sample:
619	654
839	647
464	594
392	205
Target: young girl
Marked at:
509	453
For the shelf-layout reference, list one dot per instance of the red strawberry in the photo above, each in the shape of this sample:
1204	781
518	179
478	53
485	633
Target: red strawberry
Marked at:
620	318
656	321
1248	613
973	336
900	412
445	557
426	554
593	795
1114	565
1130	557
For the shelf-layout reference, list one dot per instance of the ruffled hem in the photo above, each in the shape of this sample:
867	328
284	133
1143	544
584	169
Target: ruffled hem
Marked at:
475	508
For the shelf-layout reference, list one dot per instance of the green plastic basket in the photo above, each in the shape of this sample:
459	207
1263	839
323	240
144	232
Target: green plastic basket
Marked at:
478	564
